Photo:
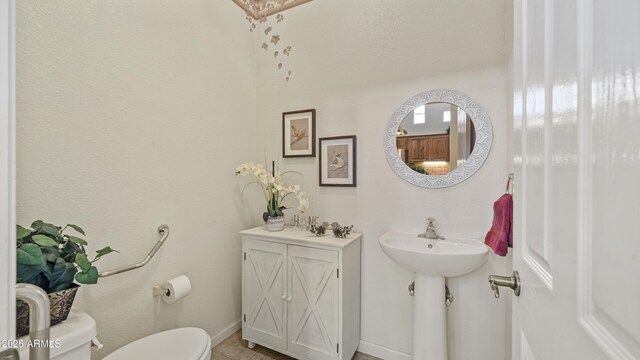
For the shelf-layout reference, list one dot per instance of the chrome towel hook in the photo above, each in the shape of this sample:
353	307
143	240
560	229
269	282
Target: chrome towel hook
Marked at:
509	189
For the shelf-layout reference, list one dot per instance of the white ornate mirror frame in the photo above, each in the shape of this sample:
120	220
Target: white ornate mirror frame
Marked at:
484	139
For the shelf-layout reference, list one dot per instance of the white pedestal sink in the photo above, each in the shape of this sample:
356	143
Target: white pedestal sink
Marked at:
432	261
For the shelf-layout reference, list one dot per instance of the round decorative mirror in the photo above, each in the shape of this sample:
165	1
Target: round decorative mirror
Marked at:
438	138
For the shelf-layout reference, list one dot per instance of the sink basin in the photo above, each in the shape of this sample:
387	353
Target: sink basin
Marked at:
446	258
432	261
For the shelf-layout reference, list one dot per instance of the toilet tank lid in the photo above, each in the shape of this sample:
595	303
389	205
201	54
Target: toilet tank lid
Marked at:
77	330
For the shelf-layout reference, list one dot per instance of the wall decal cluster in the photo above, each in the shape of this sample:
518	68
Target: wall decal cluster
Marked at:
258	14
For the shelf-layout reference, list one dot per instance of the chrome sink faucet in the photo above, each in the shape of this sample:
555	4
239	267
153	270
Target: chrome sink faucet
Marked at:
431	232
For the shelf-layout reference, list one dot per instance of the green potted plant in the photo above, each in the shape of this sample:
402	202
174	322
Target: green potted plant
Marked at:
49	257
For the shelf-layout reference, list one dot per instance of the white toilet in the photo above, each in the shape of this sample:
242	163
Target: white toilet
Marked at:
182	343
72	340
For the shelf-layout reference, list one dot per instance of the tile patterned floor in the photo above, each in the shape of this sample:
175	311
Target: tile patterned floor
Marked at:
234	348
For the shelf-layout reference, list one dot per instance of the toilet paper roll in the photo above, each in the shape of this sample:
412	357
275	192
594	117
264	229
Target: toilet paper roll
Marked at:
175	289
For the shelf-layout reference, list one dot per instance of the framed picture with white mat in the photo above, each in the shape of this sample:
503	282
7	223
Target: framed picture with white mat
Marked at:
299	133
338	161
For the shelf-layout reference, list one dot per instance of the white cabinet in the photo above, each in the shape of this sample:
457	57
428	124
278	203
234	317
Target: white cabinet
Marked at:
314	301
301	293
264	289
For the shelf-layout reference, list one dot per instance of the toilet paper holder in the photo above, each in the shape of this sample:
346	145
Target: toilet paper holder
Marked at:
159	291
173	290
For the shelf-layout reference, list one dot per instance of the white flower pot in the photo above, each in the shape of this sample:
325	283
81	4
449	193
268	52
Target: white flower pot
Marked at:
275	223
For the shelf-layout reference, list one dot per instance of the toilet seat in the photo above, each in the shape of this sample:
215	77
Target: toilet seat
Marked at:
182	343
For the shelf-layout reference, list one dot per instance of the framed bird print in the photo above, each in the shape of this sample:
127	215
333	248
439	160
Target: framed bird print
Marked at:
338	161
299	133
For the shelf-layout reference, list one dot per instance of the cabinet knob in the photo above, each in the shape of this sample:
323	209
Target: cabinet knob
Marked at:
284	297
289	298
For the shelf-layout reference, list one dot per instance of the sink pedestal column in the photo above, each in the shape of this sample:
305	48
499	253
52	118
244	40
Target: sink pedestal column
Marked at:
429	320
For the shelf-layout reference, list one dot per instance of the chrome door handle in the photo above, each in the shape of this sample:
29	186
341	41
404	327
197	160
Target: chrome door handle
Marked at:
512	282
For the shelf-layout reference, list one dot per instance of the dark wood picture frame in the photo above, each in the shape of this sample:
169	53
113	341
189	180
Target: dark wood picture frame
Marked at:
348	177
309	116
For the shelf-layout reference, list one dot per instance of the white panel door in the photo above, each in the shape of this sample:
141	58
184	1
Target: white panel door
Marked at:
313	302
265	292
7	171
577	170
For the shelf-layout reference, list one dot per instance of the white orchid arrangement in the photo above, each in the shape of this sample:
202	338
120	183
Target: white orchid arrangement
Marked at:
274	188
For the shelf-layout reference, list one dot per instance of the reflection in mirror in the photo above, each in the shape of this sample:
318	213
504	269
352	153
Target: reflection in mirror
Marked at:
435	138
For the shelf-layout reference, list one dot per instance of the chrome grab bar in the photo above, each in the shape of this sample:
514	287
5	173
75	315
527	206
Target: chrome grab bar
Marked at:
163	230
39	320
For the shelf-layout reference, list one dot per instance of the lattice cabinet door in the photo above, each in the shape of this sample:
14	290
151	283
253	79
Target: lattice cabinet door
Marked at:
265	292
313	302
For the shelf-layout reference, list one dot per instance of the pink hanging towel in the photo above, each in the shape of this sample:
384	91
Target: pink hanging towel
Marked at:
500	236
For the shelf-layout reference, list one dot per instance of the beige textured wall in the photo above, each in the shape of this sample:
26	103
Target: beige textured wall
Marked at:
131	114
135	113
355	62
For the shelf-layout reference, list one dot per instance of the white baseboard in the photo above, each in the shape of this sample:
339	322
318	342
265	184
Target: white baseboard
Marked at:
365	347
222	335
382	352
